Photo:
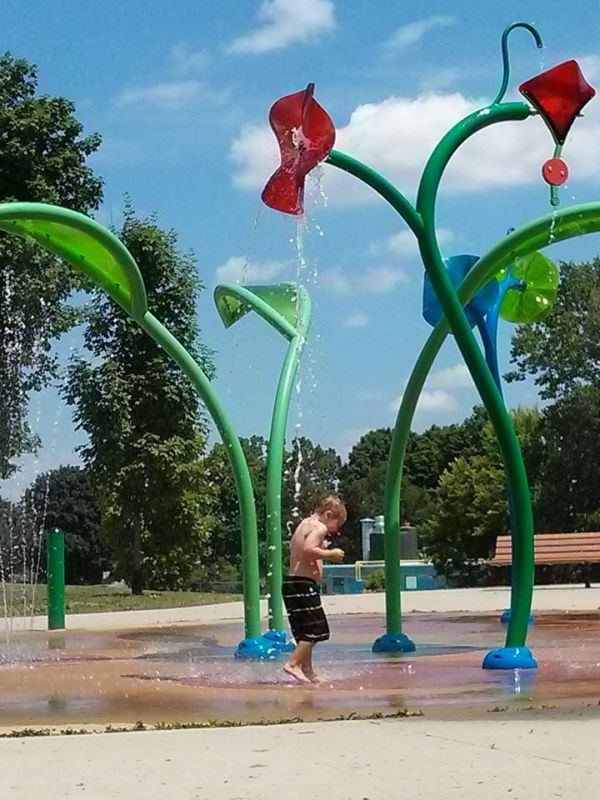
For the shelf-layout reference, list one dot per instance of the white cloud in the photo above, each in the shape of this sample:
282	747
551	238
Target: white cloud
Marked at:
373	280
440	392
436	400
404	244
238	268
590	66
167	94
412	33
348	438
284	22
439	79
456	377
430	400
255	155
356	319
397	135
187	61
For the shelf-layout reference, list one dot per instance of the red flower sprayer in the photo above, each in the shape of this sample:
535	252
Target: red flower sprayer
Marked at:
306	135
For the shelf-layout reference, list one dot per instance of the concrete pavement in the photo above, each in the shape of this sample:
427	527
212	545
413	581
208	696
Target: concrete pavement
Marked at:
545	598
495	759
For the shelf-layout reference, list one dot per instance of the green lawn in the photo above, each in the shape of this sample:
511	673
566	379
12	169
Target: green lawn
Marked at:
88	599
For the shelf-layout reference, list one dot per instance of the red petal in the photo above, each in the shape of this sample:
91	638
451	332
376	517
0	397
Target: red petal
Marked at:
305	134
559	95
284	193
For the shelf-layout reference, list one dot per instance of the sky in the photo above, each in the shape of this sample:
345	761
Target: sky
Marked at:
181	93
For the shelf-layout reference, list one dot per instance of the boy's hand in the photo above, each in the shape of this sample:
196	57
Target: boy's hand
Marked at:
336	555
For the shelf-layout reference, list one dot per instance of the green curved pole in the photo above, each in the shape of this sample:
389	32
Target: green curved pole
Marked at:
275	453
422	222
243	482
575	221
114	269
381	185
392	554
522	533
505	59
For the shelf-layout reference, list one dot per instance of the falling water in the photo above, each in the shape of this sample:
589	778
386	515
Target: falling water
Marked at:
542	52
552	229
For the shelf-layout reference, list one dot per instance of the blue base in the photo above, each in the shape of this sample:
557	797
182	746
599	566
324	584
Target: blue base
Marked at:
506	615
257	649
279	640
509	658
393	643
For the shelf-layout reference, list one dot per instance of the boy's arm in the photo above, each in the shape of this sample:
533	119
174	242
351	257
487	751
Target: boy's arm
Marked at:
313	544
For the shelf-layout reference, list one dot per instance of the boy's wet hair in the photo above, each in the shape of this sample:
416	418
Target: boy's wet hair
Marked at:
334	505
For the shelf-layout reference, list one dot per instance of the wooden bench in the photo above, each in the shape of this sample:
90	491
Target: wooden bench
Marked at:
554	548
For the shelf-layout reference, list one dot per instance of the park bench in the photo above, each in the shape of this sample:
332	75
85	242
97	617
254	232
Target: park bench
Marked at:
554	549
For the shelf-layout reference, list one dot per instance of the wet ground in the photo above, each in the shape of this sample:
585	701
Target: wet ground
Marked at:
188	674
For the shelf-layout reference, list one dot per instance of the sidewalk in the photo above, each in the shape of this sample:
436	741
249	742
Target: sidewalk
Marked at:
448	601
368	760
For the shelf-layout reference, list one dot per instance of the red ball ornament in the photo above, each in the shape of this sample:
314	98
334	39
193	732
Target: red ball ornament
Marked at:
555	171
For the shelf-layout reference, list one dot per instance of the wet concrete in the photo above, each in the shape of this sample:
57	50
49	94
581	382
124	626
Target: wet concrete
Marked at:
187	673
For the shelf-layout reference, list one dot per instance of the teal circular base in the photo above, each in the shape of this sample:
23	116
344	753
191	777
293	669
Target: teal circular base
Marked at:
279	640
393	643
256	649
509	658
505	617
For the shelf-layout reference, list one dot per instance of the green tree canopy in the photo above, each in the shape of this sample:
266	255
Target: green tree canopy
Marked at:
428	455
470	503
65	498
42	158
145	427
562	351
318	475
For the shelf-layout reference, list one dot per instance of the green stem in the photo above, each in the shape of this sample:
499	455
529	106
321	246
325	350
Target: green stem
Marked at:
505	57
408	213
274	481
239	466
382	186
522	534
576	221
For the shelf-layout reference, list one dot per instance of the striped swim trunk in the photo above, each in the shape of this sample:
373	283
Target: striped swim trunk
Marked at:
305	612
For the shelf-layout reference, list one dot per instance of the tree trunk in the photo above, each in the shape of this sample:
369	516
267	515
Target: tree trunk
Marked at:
137	573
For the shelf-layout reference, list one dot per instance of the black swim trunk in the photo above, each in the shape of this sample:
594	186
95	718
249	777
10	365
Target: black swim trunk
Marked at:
303	604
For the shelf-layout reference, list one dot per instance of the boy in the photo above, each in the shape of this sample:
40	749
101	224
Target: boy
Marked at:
301	587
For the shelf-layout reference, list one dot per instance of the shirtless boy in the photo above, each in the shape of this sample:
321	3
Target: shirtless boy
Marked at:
301	587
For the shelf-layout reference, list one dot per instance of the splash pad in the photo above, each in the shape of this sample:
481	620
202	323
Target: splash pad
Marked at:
187	674
512	280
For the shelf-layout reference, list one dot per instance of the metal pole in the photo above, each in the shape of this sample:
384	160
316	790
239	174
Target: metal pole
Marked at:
55	554
241	474
274	480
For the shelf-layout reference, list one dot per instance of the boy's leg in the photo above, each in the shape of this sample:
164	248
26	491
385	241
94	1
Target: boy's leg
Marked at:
296	661
307	667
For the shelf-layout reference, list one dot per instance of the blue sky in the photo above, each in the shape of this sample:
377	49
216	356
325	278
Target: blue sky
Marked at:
181	92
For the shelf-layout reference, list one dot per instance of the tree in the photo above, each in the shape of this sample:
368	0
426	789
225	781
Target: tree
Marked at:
65	498
568	491
224	544
470	512
142	416
315	468
562	352
428	454
470	502
42	158
311	473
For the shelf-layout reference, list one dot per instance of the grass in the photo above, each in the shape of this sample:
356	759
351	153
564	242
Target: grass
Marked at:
21	733
90	599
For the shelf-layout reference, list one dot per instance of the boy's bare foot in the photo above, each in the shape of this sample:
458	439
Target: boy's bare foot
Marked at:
296	672
316	679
